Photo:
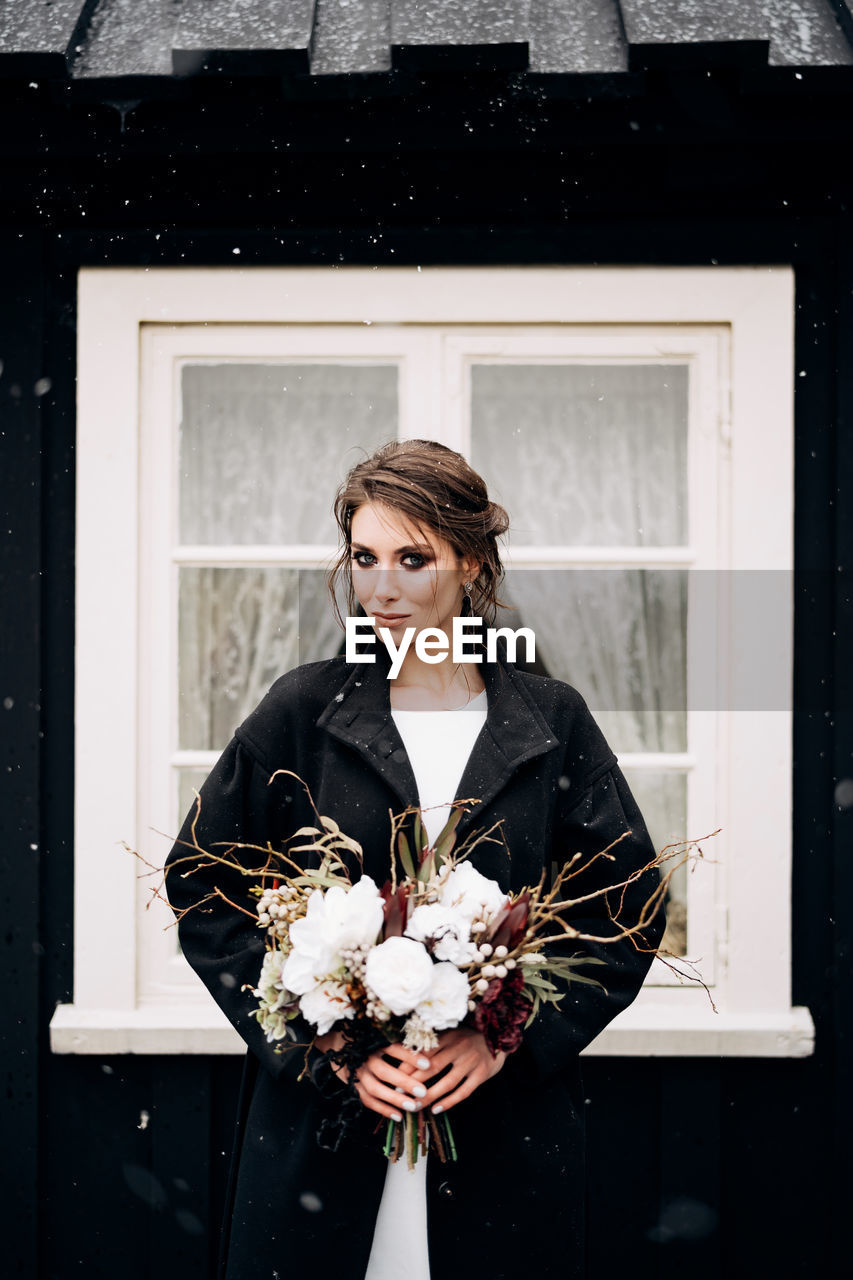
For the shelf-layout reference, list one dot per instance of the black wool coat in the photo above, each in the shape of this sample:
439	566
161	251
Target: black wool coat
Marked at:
515	1196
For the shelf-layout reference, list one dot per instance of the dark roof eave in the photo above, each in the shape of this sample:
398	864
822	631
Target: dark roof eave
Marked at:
511	56
698	55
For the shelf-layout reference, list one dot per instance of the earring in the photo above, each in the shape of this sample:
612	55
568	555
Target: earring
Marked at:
468	587
467	607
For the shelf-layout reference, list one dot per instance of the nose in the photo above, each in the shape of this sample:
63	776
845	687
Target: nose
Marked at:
386	586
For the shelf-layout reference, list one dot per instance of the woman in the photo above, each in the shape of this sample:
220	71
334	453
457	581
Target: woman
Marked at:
419	539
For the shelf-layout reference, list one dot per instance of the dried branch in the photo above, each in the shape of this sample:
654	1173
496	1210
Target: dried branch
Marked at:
549	910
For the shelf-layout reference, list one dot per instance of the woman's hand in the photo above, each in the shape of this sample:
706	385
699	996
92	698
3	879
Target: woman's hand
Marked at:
467	1061
386	1086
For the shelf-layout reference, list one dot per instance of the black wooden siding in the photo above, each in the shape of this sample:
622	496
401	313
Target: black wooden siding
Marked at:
607	146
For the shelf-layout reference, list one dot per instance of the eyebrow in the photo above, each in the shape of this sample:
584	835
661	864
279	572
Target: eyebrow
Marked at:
420	547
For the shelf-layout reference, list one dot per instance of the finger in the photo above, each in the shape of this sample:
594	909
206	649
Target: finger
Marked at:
442	1060
450	1073
445	1086
416	1061
414	1065
416	1073
479	1070
375	1088
464	1091
455	1055
452	1043
393	1076
469	1050
381	1108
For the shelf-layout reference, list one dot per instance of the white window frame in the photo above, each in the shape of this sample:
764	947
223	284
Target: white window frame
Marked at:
748	313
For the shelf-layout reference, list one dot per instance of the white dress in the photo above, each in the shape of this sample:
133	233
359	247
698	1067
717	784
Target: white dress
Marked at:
438	744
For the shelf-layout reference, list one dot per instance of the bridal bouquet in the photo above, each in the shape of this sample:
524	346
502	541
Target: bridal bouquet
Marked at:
438	945
436	948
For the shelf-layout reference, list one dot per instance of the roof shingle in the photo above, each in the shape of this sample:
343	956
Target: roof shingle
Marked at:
243	37
164	40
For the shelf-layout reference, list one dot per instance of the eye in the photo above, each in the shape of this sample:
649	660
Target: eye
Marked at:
364	559
414	560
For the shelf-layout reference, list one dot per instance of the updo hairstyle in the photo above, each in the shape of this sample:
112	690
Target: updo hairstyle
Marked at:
435	488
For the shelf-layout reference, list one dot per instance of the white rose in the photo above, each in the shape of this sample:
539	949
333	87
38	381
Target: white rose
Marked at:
447	1002
326	1005
336	920
446	928
355	916
399	973
302	972
472	894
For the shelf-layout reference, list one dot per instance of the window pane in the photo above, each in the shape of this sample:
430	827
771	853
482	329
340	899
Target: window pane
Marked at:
584	455
238	630
263	446
189	782
618	636
662	797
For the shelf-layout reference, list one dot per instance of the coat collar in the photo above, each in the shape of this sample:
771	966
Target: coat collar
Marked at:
515	731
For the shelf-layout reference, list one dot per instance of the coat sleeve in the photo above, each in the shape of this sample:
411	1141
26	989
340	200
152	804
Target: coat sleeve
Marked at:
224	946
595	814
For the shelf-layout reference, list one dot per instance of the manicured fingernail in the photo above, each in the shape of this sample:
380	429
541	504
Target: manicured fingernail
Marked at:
437	1110
424	1064
395	1115
410	1104
418	1090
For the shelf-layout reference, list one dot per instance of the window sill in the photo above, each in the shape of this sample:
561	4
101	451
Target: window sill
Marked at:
644	1030
648	1030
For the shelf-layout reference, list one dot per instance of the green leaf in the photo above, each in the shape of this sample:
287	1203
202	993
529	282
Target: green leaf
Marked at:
540	990
426	870
405	856
446	838
319	880
452	823
540	983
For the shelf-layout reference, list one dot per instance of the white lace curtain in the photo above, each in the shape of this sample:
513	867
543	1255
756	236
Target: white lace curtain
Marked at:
595	455
263	446
262	449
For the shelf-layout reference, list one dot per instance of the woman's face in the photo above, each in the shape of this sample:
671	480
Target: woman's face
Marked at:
405	575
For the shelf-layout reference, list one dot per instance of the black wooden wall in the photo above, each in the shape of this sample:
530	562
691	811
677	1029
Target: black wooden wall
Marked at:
723	1167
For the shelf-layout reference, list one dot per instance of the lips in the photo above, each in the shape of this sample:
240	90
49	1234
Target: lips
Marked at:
390	617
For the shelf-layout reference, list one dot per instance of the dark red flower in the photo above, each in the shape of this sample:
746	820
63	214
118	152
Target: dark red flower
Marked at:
502	1012
396	909
509	925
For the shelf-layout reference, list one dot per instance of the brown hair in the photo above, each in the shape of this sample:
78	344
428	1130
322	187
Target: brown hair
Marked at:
436	489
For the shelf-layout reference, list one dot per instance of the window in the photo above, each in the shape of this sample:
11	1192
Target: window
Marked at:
625	417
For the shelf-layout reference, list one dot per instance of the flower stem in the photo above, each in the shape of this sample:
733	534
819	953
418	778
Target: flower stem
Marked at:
448	1133
412	1128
